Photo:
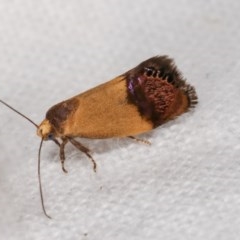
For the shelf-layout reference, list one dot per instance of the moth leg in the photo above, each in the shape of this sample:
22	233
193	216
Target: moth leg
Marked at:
85	150
57	142
62	154
140	140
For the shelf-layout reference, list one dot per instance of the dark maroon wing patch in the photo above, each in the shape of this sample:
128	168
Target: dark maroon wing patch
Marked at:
153	86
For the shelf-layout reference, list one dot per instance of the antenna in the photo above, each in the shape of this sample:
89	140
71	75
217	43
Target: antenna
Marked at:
39	179
16	111
39	155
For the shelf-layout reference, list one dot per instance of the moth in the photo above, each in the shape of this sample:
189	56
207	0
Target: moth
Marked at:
135	102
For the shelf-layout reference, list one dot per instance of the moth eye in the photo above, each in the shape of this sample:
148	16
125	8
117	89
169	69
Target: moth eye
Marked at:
50	136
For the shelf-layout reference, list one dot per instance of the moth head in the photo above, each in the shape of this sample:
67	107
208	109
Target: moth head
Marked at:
46	131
